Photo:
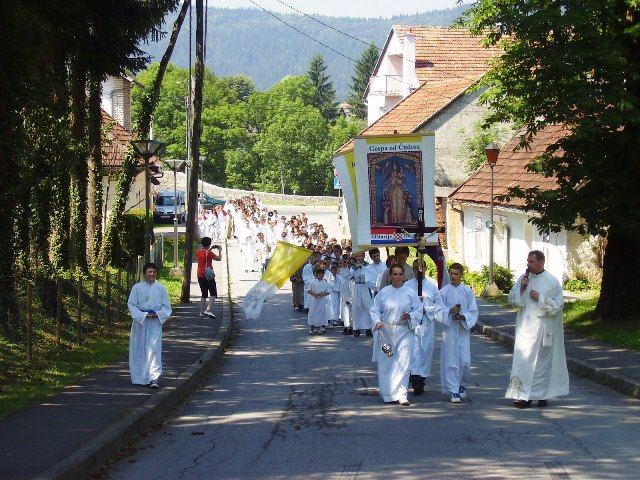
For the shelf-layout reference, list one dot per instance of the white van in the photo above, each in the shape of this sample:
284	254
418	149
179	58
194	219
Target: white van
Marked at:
164	209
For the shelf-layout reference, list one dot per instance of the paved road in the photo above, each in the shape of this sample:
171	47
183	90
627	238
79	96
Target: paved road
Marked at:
286	405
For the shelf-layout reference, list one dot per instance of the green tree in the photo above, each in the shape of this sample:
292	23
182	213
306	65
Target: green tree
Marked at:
324	93
576	63
360	80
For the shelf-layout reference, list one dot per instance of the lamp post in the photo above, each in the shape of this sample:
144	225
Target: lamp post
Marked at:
147	149
202	159
175	165
491	151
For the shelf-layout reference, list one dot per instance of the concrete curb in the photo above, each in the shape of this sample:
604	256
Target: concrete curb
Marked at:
620	383
108	444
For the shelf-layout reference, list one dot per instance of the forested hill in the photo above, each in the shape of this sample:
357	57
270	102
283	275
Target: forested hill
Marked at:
254	43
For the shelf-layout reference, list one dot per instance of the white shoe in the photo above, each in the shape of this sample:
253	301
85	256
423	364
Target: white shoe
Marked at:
455	398
209	313
462	392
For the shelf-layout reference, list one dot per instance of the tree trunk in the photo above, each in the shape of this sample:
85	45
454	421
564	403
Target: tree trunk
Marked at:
141	130
195	153
94	186
78	211
620	278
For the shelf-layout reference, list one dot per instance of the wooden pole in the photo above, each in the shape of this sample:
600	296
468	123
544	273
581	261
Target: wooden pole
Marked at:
120	299
79	306
58	311
109	307
29	323
96	303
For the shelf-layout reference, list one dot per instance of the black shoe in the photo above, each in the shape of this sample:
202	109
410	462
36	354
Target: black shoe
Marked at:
306	310
542	403
369	333
345	331
356	333
522	404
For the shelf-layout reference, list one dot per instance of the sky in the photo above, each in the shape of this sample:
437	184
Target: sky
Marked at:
342	8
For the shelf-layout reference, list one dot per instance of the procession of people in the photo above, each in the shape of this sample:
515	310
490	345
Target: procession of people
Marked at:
361	294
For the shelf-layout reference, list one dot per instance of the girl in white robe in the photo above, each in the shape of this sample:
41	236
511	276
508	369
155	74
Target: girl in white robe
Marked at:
149	308
319	302
395	312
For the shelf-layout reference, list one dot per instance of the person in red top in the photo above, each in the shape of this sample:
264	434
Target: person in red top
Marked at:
205	257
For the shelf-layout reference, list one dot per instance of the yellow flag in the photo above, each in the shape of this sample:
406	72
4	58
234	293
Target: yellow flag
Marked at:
286	259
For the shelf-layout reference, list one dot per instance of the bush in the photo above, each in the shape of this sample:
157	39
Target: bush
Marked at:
130	239
503	278
579	285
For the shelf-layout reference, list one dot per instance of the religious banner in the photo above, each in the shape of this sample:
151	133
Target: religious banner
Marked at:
395	194
345	168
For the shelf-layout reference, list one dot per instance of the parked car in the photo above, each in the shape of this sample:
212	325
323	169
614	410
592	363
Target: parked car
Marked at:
164	209
207	201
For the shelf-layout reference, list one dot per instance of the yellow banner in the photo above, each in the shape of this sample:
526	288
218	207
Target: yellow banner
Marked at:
286	260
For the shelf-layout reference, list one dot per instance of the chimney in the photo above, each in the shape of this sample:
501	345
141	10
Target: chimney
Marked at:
408	63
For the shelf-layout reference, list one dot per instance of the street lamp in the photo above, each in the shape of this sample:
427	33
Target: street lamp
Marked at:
147	149
491	151
175	165
202	159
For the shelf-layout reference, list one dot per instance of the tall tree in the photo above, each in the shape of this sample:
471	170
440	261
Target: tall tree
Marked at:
576	63
196	133
324	93
360	80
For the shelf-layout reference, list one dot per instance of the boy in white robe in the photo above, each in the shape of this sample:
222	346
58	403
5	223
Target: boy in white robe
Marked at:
361	301
461	314
539	369
149	308
319	304
434	310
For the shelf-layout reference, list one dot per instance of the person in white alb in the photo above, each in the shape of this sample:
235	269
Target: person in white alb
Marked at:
539	368
434	311
149	308
396	311
461	314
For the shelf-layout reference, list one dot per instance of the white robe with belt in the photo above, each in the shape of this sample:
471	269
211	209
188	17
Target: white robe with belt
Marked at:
539	368
388	307
320	311
434	310
455	351
145	342
361	301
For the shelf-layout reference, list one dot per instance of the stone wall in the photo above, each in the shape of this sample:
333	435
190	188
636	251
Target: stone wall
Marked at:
166	183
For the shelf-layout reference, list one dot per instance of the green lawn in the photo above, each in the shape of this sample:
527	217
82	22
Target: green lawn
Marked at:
578	318
23	383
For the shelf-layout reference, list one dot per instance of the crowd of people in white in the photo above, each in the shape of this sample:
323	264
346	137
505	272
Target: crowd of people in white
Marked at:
358	292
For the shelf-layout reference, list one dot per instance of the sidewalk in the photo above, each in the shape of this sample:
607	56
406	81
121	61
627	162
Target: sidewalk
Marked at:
76	431
617	368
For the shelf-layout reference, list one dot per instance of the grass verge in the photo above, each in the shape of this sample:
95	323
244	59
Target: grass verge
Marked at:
24	382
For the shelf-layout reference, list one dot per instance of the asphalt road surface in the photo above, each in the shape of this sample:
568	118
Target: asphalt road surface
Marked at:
284	404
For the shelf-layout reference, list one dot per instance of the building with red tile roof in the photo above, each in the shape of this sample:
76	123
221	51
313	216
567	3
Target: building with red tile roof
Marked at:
468	217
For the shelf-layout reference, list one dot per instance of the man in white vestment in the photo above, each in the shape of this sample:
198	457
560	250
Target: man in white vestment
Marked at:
149	308
395	312
434	310
307	276
461	314
539	368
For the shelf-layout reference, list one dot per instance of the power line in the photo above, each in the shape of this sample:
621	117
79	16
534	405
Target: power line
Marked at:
329	26
302	33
